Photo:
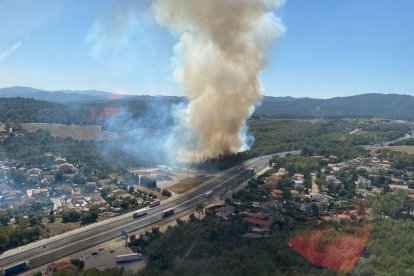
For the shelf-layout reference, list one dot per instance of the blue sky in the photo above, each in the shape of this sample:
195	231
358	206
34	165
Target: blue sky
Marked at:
330	48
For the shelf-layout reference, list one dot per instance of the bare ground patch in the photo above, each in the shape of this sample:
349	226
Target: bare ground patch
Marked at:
58	227
187	184
407	149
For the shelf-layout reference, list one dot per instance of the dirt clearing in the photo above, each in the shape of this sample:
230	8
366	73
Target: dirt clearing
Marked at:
188	183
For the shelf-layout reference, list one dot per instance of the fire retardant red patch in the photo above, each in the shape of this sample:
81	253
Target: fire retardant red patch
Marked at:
332	249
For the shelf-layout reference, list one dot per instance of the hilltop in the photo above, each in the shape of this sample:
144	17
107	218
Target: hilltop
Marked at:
392	106
379	105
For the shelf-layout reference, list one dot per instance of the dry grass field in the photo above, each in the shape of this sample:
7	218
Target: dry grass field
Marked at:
81	133
406	149
58	227
186	184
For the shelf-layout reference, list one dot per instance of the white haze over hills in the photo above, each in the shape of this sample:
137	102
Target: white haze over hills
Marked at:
373	104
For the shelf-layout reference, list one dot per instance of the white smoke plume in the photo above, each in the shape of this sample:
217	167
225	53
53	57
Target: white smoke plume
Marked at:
221	51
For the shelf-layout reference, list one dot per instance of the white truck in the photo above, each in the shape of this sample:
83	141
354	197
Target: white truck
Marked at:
155	203
140	213
128	258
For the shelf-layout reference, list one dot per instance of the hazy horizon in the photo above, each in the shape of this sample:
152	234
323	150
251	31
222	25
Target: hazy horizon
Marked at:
329	49
81	91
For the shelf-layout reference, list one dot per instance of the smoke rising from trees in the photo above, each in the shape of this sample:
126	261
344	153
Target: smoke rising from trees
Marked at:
221	51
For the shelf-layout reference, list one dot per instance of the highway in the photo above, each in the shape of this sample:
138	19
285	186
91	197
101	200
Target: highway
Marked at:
387	143
48	250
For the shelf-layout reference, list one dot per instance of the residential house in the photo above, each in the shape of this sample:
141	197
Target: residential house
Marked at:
258	215
298	176
104	182
294	193
64	190
363	183
343	204
341	218
109	187
298	184
90	186
34	177
38	193
278	194
225	212
61	266
378	191
97	200
68	168
60	160
305	206
258	225
271	182
317	197
330	178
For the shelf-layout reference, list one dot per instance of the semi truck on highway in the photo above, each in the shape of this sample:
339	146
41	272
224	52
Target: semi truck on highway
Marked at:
140	213
155	203
127	258
14	270
209	194
168	213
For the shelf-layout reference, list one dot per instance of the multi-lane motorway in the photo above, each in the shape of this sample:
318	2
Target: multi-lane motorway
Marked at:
48	250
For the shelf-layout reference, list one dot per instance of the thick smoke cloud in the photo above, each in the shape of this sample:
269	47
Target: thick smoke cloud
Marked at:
221	51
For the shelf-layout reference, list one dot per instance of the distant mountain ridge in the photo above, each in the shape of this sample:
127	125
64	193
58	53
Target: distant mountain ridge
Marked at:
382	105
60	96
393	106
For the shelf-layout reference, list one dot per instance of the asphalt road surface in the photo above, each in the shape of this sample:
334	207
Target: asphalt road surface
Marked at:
48	250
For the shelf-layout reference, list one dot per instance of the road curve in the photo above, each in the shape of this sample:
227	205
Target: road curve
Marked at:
48	250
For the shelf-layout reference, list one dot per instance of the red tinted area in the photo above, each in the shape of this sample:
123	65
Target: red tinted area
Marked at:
96	114
340	252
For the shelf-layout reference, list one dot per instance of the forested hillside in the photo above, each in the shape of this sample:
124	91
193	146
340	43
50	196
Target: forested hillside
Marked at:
21	110
114	115
379	105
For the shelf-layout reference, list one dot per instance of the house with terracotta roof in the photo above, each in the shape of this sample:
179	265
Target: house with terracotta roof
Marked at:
277	194
97	200
61	266
258	215
341	218
378	191
271	182
258	225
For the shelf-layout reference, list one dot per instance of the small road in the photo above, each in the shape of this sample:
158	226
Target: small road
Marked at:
48	250
386	144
